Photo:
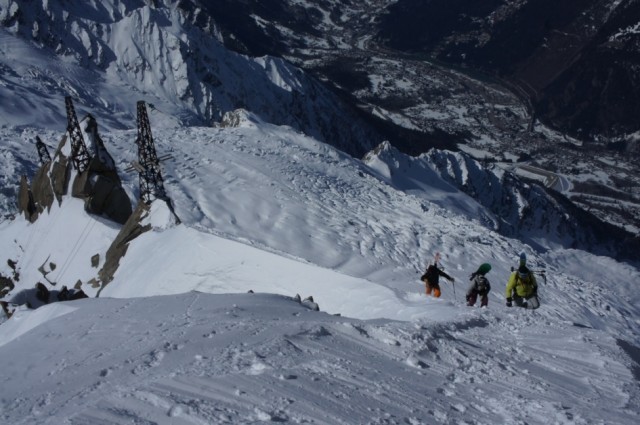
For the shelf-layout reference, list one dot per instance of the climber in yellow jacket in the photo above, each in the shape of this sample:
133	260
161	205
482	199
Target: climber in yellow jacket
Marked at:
522	288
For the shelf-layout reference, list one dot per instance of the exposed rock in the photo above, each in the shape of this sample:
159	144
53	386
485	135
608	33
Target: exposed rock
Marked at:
139	222
42	188
99	185
6	285
41	295
26	204
60	172
117	205
131	230
232	118
109	198
94	283
81	187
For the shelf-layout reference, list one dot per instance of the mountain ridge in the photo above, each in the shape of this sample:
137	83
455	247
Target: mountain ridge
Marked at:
205	320
287	96
455	75
200	323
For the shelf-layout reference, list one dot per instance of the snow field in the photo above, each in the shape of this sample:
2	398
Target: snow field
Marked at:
266	209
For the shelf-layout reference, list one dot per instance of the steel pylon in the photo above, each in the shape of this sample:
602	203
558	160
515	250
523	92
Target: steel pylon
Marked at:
43	152
79	153
151	182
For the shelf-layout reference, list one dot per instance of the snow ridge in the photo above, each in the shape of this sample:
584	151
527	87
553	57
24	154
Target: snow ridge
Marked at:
500	200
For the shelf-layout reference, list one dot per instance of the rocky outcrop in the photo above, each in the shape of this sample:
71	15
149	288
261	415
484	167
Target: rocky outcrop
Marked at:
26	204
131	230
99	186
49	183
137	224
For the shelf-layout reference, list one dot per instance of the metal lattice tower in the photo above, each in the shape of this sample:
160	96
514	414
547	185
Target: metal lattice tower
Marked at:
151	182
79	153
43	152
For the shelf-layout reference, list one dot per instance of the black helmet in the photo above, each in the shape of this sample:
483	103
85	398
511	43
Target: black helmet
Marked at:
523	272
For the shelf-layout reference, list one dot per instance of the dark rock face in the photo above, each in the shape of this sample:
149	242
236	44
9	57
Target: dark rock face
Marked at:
26	204
131	230
99	185
49	183
109	198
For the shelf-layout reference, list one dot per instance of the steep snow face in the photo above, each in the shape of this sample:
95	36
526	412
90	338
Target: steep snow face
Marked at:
496	197
175	337
282	192
166	53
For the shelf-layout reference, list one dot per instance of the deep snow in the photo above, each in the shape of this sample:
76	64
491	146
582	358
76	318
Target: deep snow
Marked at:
176	337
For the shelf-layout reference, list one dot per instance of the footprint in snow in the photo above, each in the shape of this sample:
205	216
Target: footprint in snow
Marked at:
154	359
413	361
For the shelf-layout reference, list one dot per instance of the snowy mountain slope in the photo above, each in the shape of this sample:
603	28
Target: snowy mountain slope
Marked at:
513	207
110	55
476	76
309	197
278	190
197	358
268	209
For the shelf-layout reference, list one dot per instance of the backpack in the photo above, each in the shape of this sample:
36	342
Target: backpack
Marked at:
431	274
526	281
482	284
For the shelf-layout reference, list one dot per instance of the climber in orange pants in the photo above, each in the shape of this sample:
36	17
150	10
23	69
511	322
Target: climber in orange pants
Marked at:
431	279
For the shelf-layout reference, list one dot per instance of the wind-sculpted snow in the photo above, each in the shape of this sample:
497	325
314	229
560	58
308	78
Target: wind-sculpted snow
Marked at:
206	321
197	358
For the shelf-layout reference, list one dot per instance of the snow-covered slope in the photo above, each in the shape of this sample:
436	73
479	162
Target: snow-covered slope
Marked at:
507	65
267	209
500	200
176	337
197	358
110	55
